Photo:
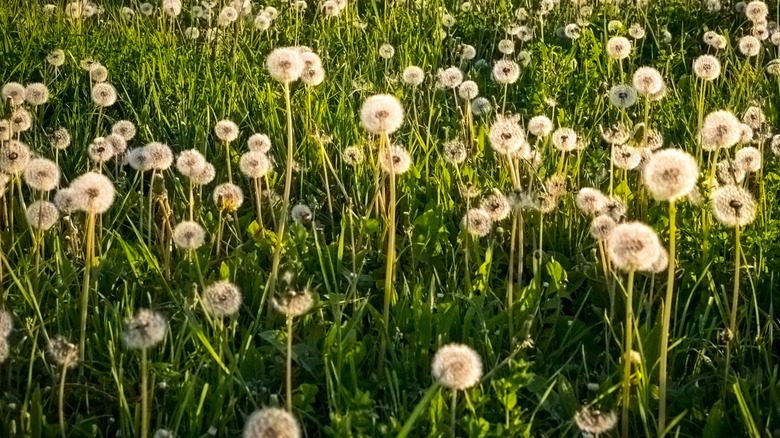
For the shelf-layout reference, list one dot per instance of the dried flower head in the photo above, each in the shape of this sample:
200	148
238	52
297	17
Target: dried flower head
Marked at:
477	222
226	131
159	155
756	11
62	352
222	298
633	246
506	136
6	324
189	235
413	76
125	128
21	120
100	150
706	67
13	92
733	206
139	159
294	303
749	159
626	157
56	58
721	129
749	45
468	90
729	172
564	139
285	64
647	81
36	94
602	227
5	130
595	422
496	206
457	366
590	201
454	151
14	157
507	47
313	76
622	96
271	423
540	126
42	215
506	72
118	143
42	174
255	164
449	78
60	138
259	143
352	156
228	197
386	51
618	48
481	106
103	94
616	134
301	213
467	52
395	160
144	330
205	176
227	16
381	114
95	193
98	73
670	174
754	117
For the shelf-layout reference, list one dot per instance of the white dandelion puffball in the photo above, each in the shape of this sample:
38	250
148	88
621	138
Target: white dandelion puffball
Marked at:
477	222
144	330
189	235
749	45
670	174
633	246
457	366
95	192
42	215
733	206
255	164
622	96
540	126
271	423
648	81
386	51
36	94
505	135
413	76
506	72
618	48
721	129
285	64
103	94
222	298
42	174
395	160
706	67
259	143
226	131
468	90
381	114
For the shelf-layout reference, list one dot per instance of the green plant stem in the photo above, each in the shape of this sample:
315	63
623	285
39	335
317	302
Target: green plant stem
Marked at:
390	264
667	316
144	397
86	286
453	411
628	342
61	400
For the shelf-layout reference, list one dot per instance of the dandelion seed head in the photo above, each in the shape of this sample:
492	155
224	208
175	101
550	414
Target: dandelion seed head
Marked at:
125	128
395	160
749	45
457	366
262	22
670	174
255	164
745	133
139	159
636	31
294	303
21	120
633	246
616	134
271	423
386	51
564	139
595	422
721	129
449	78
381	114
506	72
467	52
749	159
310	60
540	126
13	92
591	201
622	96
706	67
481	106
103	94
729	172
285	64
36	94
661	262
160	155
6	324
172	8
733	206
14	157
647	81
454	151
95	193
507	47
754	117
118	143
505	135
626	157
756	10
42	215
496	205
205	176
227	16
60	138
468	90
301	213
618	48
5	130
42	174
67	200
188	235
222	299
413	76
98	73
226	131
259	143
62	352
100	150
477	222
313	77
572	31
146	329
228	197
56	58
601	227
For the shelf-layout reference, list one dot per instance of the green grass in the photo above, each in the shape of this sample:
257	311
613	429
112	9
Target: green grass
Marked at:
566	352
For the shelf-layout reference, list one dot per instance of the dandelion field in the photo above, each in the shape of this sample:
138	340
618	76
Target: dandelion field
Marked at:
482	219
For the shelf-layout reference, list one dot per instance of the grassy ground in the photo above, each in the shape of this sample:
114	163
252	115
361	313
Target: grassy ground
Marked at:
207	378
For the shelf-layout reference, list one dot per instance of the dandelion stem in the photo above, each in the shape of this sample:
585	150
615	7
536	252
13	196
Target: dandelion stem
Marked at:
667	316
390	264
453	409
144	397
628	342
90	250
61	400
289	363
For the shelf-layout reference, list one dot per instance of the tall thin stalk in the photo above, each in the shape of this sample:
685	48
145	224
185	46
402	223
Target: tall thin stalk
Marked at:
390	263
628	345
144	396
288	367
667	316
61	400
90	253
